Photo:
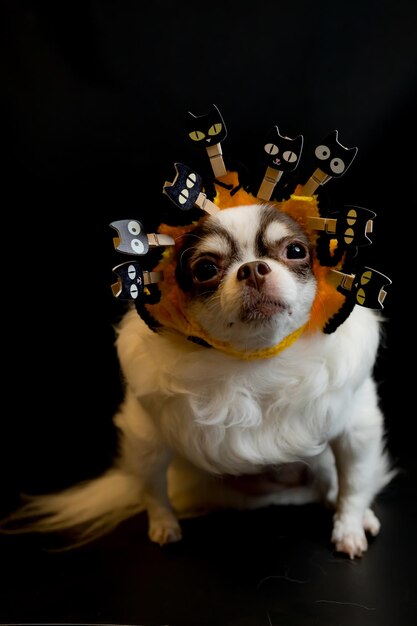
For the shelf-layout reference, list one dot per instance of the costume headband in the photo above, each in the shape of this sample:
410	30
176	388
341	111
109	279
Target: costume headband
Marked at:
336	237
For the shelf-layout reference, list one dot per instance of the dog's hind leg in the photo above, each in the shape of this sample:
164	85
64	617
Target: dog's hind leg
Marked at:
144	455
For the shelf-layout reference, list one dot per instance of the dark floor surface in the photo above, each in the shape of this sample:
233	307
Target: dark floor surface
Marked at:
268	567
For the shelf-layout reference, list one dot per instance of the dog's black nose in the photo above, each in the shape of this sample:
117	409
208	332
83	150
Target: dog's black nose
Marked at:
254	273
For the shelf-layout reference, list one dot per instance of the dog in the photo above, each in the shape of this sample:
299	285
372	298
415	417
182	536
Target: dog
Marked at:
200	427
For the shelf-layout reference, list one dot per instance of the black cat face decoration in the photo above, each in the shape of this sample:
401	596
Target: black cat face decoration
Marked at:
331	157
368	288
352	226
130	281
208	129
185	188
282	153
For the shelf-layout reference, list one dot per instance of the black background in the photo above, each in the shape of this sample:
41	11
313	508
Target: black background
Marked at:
94	97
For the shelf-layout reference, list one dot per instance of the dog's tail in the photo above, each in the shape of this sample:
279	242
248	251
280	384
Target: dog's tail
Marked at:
85	511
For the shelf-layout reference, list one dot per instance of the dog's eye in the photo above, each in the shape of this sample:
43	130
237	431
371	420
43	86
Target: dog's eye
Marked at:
296	251
205	270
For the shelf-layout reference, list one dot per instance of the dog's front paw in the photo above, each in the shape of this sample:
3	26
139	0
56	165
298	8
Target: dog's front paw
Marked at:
164	530
349	537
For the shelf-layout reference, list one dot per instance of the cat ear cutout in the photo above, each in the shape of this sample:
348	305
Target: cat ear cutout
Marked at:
185	191
208	131
282	155
365	288
131	280
332	161
132	238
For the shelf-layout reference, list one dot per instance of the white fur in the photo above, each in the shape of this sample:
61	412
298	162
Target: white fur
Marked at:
194	416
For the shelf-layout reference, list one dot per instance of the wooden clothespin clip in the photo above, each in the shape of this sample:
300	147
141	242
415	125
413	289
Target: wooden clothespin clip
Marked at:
132	280
133	240
332	160
283	155
185	191
209	130
350	227
366	286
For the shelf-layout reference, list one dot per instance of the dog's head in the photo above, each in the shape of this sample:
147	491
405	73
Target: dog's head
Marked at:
247	275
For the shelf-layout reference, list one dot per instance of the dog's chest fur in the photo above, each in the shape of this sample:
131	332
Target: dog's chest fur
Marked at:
232	416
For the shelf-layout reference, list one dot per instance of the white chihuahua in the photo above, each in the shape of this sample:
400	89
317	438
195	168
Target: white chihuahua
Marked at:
201	427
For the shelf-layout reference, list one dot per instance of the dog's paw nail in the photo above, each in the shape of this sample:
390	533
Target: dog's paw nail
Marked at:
352	544
165	534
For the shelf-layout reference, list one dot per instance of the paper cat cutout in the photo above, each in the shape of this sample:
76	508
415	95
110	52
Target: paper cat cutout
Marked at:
208	129
331	157
282	153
